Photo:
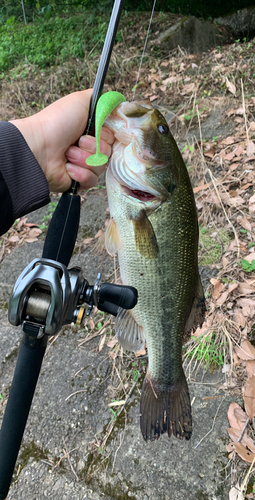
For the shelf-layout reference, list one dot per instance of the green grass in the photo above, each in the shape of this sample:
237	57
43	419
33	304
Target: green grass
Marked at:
210	248
51	41
206	350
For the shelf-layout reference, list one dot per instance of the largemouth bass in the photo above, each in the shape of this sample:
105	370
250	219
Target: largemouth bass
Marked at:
153	227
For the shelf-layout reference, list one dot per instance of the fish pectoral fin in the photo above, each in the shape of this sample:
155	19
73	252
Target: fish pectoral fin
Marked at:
197	313
165	409
128	333
145	239
112	240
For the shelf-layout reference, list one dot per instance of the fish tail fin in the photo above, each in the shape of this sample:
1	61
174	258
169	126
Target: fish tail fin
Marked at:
165	409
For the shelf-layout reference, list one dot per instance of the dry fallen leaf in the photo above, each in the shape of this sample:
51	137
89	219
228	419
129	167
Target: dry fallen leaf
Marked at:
98	234
239	317
30	240
243	302
218	288
245	454
33	233
252	203
203	187
249	397
234	492
112	342
246	440
236	416
220	301
229	140
230	156
245	223
246	351
250	367
101	343
250	149
91	323
230	86
245	288
187	88
13	239
142	352
113	354
232	201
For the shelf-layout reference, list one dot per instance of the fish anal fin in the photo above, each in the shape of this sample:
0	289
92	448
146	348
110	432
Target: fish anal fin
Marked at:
145	239
197	313
112	240
128	333
165	409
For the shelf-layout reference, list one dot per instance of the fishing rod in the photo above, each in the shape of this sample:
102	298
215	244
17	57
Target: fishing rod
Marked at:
47	295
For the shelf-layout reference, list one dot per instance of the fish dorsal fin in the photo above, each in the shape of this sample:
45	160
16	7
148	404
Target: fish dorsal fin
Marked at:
128	333
145	239
197	312
112	240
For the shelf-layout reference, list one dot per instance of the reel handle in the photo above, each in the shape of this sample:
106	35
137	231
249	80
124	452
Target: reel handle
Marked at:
116	295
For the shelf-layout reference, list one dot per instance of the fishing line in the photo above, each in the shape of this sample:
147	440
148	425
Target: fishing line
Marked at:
144	48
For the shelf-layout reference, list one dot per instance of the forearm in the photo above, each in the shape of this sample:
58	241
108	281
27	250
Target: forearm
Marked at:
23	186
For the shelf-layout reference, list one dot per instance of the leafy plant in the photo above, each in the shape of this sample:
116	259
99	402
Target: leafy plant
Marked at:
114	413
46	218
248	266
135	372
206	350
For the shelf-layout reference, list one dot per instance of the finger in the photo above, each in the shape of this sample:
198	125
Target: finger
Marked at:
88	143
78	157
86	178
107	135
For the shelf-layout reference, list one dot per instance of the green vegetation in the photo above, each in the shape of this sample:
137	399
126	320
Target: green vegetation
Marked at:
47	8
135	372
53	41
206	350
211	248
46	219
248	266
191	113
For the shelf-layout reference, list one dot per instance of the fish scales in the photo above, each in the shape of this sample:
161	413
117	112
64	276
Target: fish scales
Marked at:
156	237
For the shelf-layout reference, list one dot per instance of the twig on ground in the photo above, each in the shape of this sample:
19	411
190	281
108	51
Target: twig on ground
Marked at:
99	332
68	458
243	430
209	432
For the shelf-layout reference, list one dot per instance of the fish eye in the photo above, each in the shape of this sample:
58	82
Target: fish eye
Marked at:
163	129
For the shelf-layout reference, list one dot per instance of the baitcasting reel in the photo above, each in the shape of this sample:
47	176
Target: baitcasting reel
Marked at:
47	296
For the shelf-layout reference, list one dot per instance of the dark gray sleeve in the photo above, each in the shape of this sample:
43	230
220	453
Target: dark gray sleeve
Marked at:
23	185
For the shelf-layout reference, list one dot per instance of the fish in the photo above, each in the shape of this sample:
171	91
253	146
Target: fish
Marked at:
154	230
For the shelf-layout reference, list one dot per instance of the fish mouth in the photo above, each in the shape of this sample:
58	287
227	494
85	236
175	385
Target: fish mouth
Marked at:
138	194
132	183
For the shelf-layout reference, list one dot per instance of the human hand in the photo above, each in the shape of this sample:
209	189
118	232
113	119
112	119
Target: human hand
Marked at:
51	135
